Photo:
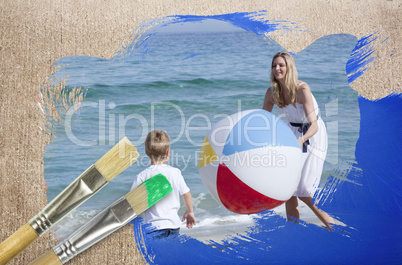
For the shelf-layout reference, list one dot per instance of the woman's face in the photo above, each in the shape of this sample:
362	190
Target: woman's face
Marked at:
279	68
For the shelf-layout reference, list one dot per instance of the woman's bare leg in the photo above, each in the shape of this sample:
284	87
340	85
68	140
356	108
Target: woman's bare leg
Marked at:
292	209
323	216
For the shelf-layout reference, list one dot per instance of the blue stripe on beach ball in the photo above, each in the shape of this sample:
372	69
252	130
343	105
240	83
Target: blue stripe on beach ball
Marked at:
257	129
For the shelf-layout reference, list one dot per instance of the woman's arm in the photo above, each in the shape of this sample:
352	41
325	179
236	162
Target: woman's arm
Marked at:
268	100
305	97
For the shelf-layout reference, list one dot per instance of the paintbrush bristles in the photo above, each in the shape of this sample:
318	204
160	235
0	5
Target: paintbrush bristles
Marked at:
120	157
148	193
49	258
138	199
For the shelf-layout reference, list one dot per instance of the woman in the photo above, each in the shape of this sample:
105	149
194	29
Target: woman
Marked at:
298	106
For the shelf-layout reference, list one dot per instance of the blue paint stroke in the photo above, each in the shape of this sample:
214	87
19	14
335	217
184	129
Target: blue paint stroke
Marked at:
191	56
244	20
361	57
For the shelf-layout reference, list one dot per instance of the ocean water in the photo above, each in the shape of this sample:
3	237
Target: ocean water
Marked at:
184	82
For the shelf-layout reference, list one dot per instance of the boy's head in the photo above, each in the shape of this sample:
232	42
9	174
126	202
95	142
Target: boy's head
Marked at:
157	145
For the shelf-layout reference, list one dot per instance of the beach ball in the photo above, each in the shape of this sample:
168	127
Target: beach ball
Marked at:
250	162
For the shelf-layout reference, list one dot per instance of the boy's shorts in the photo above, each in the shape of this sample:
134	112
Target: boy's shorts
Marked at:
164	233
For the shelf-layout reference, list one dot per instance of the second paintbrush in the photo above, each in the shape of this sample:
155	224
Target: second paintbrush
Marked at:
109	220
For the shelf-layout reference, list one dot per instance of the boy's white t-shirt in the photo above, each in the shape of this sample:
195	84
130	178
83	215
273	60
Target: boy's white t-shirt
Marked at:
163	214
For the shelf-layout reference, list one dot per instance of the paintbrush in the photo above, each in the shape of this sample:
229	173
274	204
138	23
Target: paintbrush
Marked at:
109	220
115	161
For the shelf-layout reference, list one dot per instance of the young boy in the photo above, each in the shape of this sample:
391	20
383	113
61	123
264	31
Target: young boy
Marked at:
163	215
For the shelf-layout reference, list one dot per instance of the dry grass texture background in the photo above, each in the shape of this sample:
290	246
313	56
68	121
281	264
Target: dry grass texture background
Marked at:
34	34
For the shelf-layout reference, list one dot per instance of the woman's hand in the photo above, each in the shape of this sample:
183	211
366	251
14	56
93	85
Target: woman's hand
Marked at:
301	141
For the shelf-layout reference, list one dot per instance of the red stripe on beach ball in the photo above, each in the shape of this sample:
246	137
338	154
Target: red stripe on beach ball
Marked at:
238	197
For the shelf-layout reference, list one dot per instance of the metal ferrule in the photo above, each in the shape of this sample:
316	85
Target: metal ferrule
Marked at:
81	189
106	222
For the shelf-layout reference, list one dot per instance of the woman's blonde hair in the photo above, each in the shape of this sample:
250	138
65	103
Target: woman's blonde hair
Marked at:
290	80
156	145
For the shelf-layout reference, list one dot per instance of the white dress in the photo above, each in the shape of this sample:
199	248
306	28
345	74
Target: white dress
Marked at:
314	157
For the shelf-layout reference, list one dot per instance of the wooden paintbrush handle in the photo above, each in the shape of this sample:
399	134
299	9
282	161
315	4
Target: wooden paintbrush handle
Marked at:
16	243
49	258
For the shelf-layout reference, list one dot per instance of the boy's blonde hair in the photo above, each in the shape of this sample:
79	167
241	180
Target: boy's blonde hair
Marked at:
157	144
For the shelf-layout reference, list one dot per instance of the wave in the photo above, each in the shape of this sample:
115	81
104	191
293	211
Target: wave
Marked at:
72	222
177	84
226	220
198	81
